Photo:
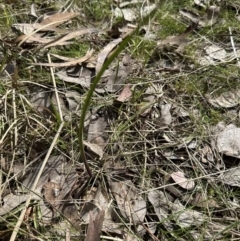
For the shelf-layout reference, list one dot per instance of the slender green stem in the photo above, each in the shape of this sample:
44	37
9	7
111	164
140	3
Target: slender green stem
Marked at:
86	104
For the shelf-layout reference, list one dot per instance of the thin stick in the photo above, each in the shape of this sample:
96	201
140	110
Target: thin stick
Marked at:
55	89
20	219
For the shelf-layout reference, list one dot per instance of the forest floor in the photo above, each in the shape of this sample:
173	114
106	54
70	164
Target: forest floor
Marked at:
120	120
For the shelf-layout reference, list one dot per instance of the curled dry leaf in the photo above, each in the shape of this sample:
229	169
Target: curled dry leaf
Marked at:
226	139
182	181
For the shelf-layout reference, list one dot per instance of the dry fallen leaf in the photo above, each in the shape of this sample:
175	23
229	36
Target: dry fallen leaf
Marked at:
131	205
125	94
216	52
105	52
32	39
231	177
58	18
96	149
70	63
180	41
186	218
28	28
225	139
226	99
208	19
201	200
161	205
96	130
12	201
84	79
166	117
114	79
182	181
95	226
71	35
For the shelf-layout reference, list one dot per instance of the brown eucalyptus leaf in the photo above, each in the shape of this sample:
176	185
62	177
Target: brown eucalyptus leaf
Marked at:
58	18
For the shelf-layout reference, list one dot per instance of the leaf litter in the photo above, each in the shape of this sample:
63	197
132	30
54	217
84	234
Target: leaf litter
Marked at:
138	136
